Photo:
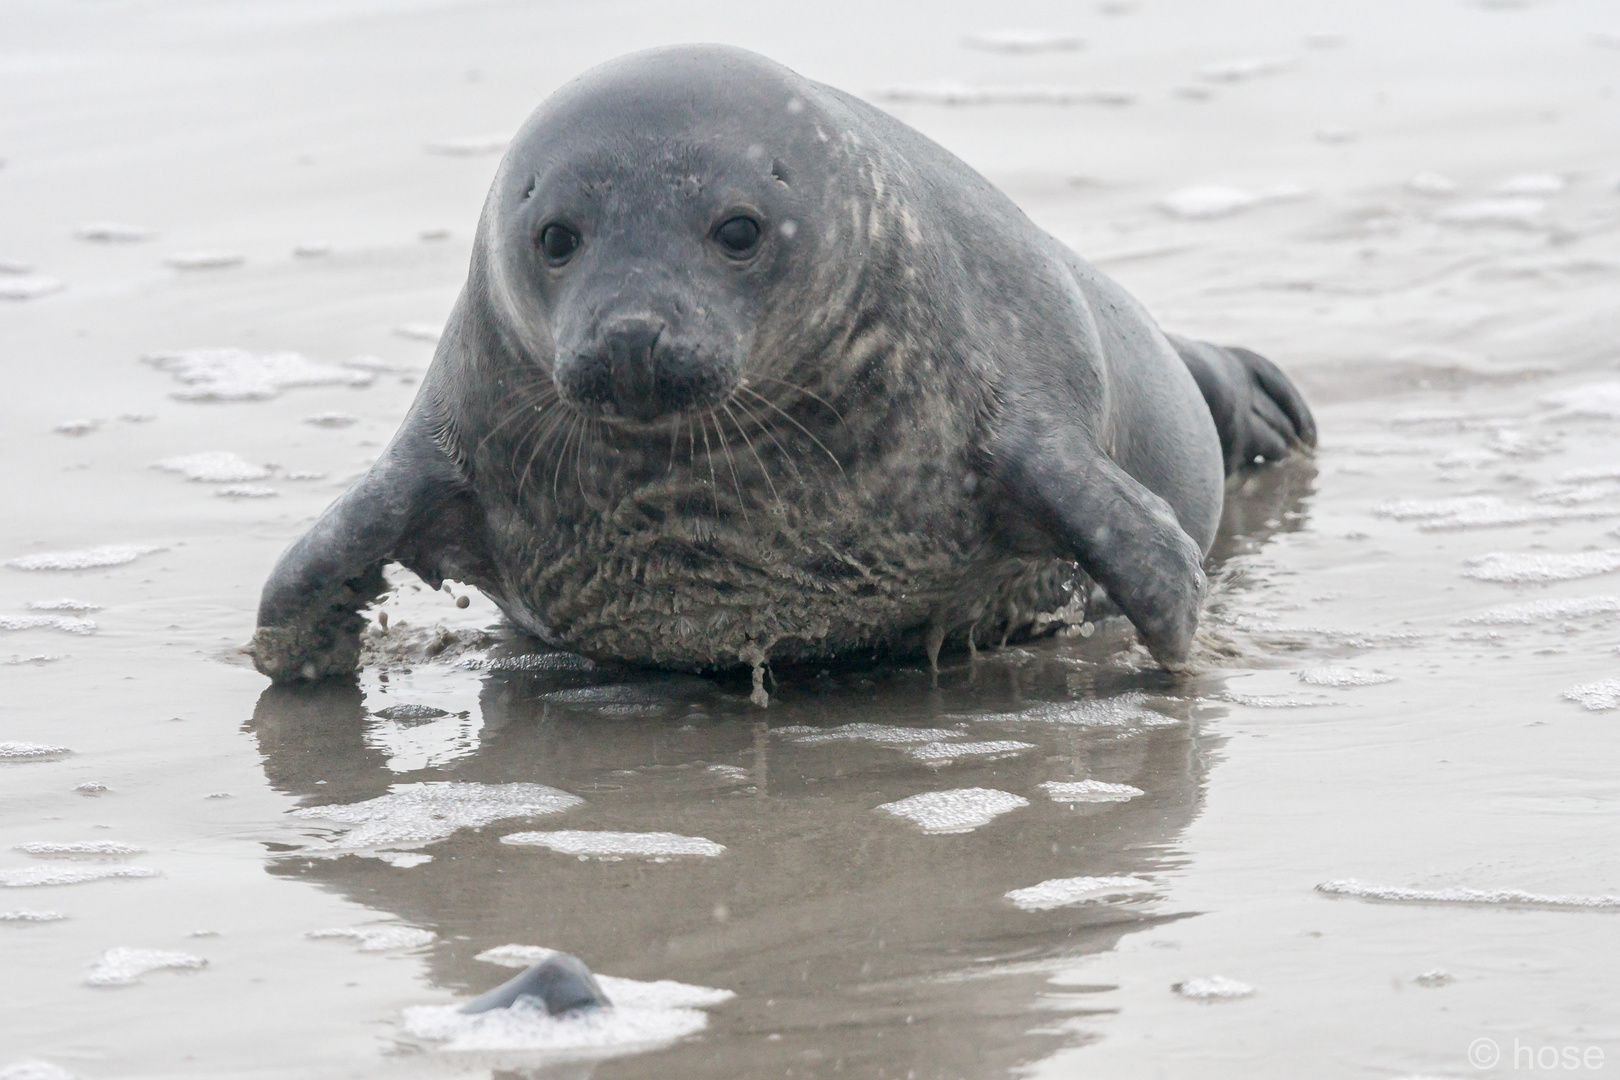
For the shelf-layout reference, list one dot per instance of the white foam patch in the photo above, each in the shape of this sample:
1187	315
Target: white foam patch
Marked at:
1574	494
26	915
1396	894
958	811
1272	701
34	1069
1205	201
1482	512
1123	711
29	286
246	491
238	375
1518	213
1341	676
956	93
943	753
1596	696
1600	400
621	1028
30	751
417	331
412	815
87	559
205	260
1062	892
1429	183
213	467
1244	68
1545	611
1581	476
113	232
516	956
469	145
878	733
32	876
593	844
79	849
1521	568
734	774
62	604
1531	184
1023	41
1212	988
124	966
379	938
332	419
403	860
1089	791
47	622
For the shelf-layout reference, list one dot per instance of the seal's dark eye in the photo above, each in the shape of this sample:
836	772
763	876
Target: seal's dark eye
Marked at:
738	236
558	243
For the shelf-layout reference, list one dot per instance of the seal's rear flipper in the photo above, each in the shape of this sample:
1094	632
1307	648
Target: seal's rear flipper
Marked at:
561	983
1259	414
1123	535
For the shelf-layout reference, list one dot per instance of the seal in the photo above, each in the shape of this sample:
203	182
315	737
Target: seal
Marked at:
746	370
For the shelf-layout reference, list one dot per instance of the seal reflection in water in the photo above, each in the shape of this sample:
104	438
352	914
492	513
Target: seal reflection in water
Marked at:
747	370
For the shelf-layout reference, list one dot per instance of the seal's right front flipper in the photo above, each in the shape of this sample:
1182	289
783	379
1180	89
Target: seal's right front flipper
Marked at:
1123	535
412	506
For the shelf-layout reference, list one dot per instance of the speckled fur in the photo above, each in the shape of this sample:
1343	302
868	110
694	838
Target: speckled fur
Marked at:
903	355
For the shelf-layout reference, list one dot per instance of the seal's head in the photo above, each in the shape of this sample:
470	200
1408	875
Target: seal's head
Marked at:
640	227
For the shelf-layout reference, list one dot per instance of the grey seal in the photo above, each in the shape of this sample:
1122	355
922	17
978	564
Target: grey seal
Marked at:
560	983
747	370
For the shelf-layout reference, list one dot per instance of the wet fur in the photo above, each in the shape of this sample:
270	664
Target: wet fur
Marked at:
948	425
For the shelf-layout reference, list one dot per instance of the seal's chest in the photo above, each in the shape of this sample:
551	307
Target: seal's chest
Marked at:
687	573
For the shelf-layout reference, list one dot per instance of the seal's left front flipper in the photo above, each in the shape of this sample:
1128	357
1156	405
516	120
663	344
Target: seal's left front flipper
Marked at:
412	506
1260	415
1123	535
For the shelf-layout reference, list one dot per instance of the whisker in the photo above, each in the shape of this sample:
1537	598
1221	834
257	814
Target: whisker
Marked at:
766	473
562	456
539	445
770	431
788	416
742	503
708	455
808	393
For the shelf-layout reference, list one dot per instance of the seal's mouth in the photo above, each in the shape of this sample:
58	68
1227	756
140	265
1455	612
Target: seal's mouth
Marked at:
636	372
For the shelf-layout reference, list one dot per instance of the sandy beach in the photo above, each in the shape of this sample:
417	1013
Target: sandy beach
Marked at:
1376	834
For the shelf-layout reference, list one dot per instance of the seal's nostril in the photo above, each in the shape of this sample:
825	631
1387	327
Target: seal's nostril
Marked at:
631	346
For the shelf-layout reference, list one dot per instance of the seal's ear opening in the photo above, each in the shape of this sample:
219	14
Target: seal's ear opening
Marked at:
780	172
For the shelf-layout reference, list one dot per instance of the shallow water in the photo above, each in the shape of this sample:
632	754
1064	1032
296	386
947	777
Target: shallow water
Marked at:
1378	826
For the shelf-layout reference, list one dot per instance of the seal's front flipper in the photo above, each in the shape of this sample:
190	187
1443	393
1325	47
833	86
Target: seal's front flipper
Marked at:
1124	536
412	506
561	983
1259	413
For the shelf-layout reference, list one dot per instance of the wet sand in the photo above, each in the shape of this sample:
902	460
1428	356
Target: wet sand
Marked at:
1409	667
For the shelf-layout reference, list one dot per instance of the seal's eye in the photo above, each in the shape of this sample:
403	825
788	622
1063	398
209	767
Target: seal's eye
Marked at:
558	243
738	237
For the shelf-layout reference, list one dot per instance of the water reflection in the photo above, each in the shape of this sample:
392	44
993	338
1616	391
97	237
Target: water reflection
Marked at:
853	940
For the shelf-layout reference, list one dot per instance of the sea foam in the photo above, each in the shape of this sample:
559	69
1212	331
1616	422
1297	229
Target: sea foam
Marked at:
412	815
124	966
1397	894
603	844
1523	568
1064	892
957	811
